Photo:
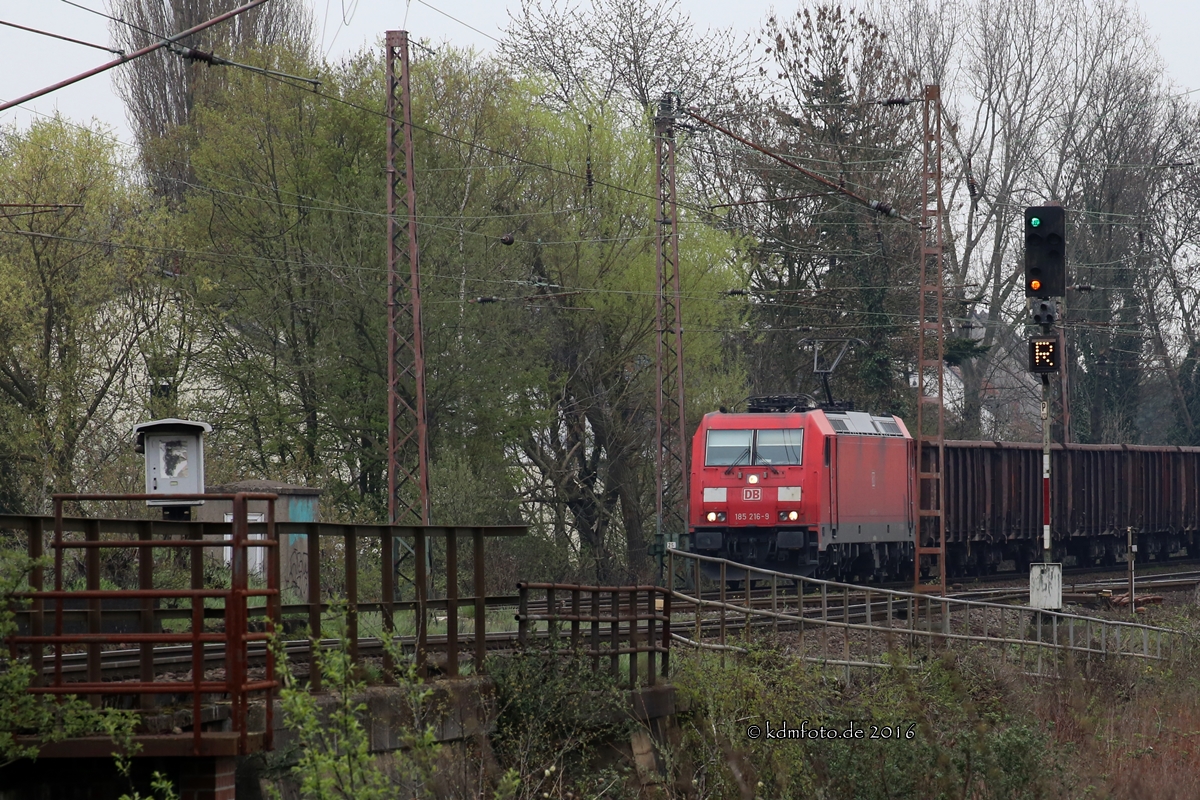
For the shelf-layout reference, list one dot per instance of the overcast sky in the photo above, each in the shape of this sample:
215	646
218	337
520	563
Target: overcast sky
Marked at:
29	62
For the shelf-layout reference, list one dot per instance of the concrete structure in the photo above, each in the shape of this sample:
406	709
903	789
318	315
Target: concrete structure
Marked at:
295	504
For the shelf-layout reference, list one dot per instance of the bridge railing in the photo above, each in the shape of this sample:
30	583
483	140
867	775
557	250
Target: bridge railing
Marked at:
147	600
233	683
608	625
398	585
850	626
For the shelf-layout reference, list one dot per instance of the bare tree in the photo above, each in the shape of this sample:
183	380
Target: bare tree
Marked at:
159	90
1025	94
628	51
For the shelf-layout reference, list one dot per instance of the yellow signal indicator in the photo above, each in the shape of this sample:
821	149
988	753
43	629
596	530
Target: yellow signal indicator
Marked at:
1035	284
1043	355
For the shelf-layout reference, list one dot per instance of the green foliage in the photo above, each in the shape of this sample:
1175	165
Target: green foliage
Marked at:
75	298
825	266
160	784
961	744
335	762
961	348
40	719
554	714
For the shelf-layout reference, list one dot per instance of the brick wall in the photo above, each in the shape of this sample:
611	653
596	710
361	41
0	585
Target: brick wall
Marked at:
208	778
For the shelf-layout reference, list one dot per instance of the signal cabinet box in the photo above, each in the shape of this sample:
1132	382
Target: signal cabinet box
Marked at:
174	450
1045	586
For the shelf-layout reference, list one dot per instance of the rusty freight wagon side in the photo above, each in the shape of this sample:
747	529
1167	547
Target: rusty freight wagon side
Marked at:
994	503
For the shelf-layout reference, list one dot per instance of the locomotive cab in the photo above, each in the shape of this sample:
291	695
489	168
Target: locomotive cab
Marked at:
803	491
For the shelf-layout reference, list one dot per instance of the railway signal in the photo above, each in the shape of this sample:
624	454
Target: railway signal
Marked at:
1045	313
1044	354
1045	251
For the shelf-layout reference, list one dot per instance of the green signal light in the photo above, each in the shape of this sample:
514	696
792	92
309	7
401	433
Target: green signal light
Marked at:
1035	222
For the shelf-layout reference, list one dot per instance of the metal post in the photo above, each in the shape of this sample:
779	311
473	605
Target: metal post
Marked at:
522	616
407	434
1046	469
1130	557
146	581
274	616
422	604
91	533
313	538
722	597
351	562
594	641
670	418
480	603
387	608
452	602
235	620
931	351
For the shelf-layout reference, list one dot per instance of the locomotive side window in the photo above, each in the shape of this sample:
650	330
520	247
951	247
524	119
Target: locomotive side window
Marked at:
726	448
779	447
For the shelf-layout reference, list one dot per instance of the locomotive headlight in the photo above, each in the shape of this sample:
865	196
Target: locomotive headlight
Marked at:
712	516
793	515
752	479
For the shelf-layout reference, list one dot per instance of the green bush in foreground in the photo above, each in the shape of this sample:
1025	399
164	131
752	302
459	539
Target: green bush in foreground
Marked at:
39	719
950	735
555	721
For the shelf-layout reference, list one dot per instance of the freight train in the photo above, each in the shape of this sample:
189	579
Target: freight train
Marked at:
830	491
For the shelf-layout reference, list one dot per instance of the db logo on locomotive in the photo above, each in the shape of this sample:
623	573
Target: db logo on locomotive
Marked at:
752	494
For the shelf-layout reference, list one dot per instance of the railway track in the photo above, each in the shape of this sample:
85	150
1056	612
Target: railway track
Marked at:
845	605
125	664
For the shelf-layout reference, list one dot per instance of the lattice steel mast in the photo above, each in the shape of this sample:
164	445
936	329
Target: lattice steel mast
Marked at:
671	454
931	352
408	456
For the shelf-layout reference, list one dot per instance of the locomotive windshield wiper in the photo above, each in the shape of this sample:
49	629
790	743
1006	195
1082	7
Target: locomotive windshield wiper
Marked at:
744	454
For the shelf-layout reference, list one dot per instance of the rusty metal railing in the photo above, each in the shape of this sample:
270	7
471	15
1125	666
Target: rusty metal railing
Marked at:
630	621
319	565
848	626
235	685
417	541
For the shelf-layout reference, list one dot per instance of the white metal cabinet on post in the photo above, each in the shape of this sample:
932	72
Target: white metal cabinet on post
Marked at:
174	451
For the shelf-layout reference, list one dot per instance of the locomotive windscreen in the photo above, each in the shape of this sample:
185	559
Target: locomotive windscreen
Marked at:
725	448
779	447
775	447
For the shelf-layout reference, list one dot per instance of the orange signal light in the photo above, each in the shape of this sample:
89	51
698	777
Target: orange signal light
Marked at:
1035	284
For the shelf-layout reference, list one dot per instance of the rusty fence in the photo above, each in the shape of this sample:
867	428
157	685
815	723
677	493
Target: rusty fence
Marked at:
191	612
233	683
416	575
721	603
606	624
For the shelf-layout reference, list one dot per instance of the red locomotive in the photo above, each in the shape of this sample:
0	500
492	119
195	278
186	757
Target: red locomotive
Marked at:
795	487
804	490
